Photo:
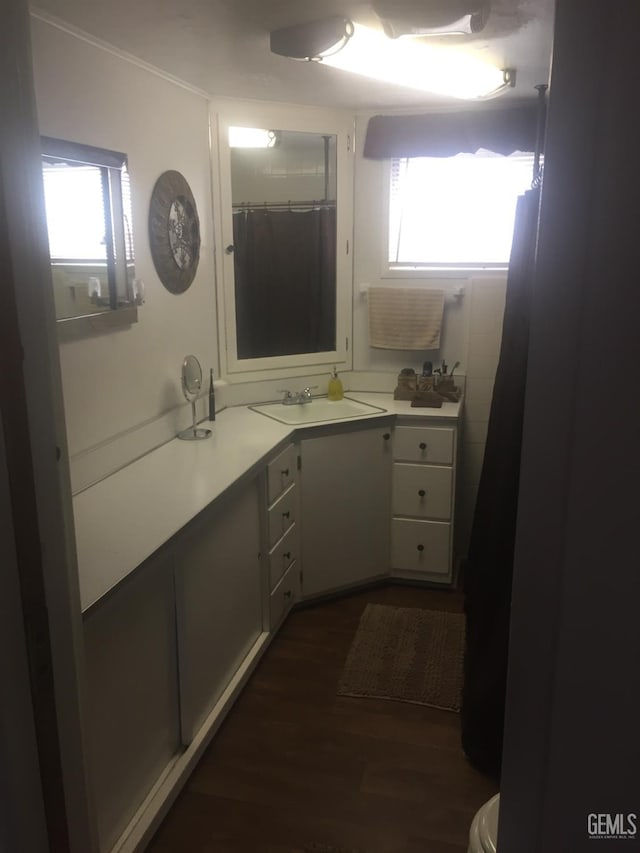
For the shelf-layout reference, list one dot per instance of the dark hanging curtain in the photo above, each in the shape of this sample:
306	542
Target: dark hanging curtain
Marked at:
285	280
488	569
489	566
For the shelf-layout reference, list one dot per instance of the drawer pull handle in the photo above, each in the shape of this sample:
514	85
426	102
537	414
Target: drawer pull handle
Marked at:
420	547
422	493
287	556
285	472
386	436
423	445
287	593
286	514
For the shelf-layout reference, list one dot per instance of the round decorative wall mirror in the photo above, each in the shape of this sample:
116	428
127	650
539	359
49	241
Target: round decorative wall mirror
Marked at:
191	388
174	232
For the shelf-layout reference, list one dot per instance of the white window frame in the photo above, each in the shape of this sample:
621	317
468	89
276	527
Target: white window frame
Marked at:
123	310
457	271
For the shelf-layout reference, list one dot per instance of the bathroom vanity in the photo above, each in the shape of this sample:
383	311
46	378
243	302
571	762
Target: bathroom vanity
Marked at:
424	468
191	557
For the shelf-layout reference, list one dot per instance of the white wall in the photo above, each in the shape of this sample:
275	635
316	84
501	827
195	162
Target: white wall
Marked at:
118	385
471	331
118	381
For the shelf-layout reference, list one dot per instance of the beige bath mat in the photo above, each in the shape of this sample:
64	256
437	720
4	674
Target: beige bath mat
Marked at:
406	654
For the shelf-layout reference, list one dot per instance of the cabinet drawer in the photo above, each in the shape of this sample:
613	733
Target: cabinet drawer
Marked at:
421	546
282	515
423	491
283	554
284	595
281	472
423	444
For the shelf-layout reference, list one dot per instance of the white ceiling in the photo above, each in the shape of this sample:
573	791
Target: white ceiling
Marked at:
222	46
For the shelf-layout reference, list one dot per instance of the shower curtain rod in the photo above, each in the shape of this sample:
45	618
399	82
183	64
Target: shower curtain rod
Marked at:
282	205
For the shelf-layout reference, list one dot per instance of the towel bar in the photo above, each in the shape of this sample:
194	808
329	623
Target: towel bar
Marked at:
456	295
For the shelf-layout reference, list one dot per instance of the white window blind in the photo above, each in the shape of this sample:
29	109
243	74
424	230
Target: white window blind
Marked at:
126	214
455	212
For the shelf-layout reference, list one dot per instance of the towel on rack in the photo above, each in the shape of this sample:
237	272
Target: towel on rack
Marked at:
405	318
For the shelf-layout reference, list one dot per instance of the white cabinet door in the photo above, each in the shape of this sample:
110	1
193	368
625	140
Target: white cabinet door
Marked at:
132	693
346	508
219	601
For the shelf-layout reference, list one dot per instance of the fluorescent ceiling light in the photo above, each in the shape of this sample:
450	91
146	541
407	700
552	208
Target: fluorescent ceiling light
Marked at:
430	68
251	137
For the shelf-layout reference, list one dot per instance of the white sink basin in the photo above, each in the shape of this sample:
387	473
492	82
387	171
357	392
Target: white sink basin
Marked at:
319	409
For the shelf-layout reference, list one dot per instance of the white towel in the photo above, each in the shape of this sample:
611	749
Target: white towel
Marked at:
405	318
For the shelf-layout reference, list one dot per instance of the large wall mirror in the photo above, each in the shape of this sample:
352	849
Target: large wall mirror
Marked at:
282	248
284	241
89	223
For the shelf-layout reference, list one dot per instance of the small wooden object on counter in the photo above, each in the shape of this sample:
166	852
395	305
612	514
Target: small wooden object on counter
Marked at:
407	384
434	395
427	399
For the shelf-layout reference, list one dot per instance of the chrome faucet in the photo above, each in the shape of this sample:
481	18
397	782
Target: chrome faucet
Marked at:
297	398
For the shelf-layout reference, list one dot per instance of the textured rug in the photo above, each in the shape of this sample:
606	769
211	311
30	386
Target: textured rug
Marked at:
406	654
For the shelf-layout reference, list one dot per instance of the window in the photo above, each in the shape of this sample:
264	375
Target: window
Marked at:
88	208
67	189
455	212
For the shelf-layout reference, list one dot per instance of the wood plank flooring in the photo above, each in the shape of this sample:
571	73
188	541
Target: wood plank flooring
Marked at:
295	765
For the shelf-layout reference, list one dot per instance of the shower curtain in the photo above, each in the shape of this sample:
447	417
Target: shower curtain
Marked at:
285	280
488	569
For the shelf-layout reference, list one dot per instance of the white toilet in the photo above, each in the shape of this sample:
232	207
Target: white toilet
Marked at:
483	835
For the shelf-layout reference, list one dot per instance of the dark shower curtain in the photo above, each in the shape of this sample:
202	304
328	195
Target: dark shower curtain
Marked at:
285	280
488	569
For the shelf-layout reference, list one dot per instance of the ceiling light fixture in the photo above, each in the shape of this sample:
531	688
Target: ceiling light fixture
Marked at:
435	18
352	47
252	137
313	41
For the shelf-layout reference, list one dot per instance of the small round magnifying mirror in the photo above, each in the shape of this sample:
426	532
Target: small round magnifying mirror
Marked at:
191	388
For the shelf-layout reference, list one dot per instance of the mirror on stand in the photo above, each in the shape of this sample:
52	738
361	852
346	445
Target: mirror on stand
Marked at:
191	388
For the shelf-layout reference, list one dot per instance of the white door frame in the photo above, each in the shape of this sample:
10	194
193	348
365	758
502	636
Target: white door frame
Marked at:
39	574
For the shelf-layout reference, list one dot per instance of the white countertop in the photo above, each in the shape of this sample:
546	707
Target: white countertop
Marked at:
123	519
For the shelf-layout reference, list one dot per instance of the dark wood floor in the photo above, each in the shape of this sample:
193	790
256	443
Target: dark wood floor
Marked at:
295	765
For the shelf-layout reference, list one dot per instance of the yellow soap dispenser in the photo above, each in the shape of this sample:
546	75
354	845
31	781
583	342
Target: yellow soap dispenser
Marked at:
335	390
